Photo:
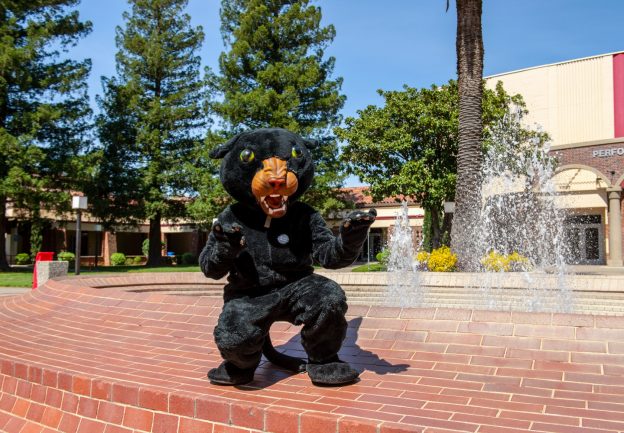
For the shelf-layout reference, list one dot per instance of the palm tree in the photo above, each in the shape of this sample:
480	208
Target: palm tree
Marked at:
469	45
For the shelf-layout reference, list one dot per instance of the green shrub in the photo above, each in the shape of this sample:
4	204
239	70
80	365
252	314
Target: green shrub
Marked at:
382	256
22	259
118	259
66	256
137	260
188	259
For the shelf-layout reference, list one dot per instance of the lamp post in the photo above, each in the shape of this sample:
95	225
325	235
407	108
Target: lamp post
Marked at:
79	203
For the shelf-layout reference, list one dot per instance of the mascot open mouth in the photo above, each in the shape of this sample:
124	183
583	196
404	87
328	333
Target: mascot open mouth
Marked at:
274	205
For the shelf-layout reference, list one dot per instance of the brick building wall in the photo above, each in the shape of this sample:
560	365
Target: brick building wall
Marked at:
612	166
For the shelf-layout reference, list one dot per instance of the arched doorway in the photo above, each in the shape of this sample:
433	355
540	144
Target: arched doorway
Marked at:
583	194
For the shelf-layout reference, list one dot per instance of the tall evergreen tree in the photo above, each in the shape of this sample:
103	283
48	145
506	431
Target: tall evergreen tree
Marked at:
116	185
275	74
152	115
44	107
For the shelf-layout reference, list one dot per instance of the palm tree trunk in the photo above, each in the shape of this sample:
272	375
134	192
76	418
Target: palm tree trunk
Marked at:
469	157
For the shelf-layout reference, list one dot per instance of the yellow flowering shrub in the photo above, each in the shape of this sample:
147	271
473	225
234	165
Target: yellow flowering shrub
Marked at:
442	260
514	262
518	262
422	257
494	262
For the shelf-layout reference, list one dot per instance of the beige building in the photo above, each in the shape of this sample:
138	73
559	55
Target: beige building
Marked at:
580	103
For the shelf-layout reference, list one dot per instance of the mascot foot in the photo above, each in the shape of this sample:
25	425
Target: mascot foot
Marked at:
331	373
229	374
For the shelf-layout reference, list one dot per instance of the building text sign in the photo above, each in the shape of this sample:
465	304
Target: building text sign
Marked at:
604	153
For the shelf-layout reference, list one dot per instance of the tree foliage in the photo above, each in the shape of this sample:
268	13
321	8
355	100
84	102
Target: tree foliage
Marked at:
275	74
409	145
44	109
153	116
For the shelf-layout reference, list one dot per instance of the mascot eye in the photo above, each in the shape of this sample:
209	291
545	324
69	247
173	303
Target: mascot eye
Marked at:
247	155
296	152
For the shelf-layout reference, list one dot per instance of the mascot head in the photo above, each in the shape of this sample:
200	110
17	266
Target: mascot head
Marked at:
268	167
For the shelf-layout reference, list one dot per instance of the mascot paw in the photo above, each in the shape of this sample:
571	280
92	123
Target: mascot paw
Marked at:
359	218
333	373
229	374
230	233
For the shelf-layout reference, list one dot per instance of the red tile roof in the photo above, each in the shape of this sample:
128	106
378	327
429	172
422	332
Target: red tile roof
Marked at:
360	196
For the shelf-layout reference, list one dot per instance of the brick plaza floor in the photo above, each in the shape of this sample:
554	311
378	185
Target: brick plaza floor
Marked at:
76	358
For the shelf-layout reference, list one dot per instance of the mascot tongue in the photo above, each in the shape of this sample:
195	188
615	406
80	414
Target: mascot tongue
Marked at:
274	205
274	201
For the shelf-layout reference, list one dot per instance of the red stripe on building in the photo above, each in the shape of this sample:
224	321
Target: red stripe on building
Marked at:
618	94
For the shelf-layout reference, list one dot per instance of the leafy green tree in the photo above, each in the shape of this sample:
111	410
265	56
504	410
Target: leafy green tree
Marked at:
153	117
44	109
275	74
409	146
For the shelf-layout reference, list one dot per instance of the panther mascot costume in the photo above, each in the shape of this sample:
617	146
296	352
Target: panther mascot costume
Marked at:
267	242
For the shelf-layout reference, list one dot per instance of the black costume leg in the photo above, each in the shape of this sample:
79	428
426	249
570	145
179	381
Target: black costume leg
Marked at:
320	305
239	336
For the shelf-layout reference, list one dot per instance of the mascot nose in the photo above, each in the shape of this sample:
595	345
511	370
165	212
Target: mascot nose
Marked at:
276	182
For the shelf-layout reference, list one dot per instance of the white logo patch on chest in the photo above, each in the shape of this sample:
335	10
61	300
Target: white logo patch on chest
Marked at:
283	239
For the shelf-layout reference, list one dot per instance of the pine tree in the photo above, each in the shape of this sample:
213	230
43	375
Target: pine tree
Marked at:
275	74
152	115
44	109
116	186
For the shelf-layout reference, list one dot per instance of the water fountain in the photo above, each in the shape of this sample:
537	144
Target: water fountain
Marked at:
404	288
519	214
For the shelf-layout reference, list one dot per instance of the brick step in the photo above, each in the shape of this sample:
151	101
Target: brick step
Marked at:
580	309
473	290
601	302
594	297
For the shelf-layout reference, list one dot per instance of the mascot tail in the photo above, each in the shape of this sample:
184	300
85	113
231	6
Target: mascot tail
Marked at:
290	363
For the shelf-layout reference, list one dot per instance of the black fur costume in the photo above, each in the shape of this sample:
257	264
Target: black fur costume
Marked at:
269	261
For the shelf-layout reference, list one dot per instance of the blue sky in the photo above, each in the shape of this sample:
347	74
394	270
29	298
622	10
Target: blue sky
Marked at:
384	44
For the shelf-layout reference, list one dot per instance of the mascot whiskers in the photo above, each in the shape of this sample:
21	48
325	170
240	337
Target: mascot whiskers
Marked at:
267	241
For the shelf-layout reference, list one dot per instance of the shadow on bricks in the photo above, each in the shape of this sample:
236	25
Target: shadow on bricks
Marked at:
351	352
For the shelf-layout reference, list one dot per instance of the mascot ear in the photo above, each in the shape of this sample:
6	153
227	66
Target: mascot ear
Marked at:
221	150
311	143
